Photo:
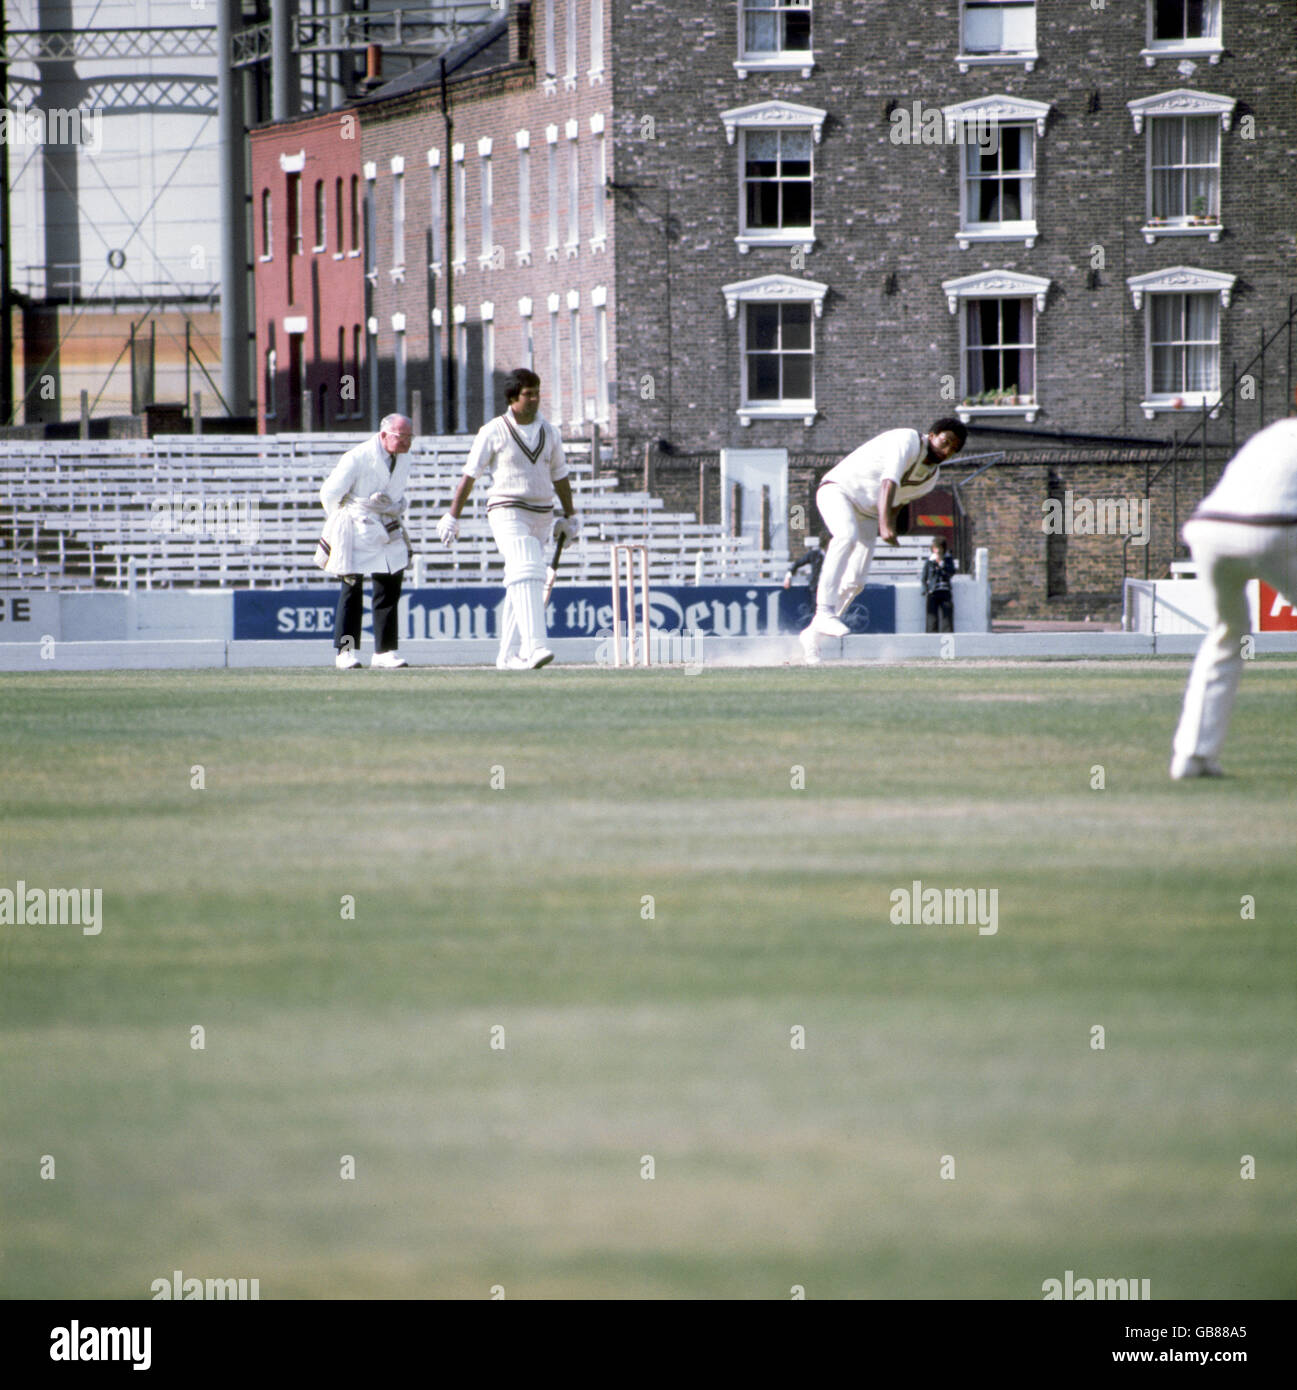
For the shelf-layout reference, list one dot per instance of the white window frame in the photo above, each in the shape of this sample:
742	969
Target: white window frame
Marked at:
995	284
1026	58
399	363
772	115
1180	280
522	141
1181	102
487	312
599	208
555	360
486	257
528	333
551	49
320	213
459	253
799	60
369	213
773	289
460	317
271	384
569	77
574	345
596	72
398	220
1210	47
573	132
551	168
438	371
267	225
1000	110
436	225
602	401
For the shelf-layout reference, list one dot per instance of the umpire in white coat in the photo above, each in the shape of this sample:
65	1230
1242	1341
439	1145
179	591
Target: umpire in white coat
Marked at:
364	498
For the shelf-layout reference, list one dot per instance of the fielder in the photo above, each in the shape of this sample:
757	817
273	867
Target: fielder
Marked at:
364	499
859	499
1245	528
524	454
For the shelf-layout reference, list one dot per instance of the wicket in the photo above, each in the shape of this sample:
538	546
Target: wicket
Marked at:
630	552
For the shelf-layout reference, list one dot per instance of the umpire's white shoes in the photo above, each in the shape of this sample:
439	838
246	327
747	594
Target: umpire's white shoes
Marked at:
540	656
829	626
347	661
810	646
387	661
1194	766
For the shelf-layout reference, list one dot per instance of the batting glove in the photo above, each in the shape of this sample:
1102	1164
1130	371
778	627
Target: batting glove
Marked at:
448	529
567	529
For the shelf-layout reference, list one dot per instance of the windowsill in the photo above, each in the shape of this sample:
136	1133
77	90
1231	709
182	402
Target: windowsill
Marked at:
316	250
338	256
1191	402
990	60
1009	231
1211	49
523	257
550	86
489	262
782	410
978	412
599	243
569	82
458	266
551	253
573	249
435	268
596	77
1151	231
265	260
790	60
397	273
356	252
805	238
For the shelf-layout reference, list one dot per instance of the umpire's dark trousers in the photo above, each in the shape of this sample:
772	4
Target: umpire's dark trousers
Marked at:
351	609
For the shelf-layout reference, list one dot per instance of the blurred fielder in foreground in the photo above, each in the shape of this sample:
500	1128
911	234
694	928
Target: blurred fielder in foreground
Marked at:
523	453
859	499
1245	528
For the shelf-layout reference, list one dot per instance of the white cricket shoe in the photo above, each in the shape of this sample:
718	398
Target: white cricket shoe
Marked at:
540	656
387	661
811	647
828	626
347	661
1194	766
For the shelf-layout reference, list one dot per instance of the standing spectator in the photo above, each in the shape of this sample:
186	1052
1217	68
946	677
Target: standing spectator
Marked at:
938	571
813	560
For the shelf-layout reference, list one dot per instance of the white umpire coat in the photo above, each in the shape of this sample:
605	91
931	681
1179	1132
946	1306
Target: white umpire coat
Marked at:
361	540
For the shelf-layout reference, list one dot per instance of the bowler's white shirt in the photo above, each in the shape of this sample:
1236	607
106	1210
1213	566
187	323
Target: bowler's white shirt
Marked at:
898	455
1261	479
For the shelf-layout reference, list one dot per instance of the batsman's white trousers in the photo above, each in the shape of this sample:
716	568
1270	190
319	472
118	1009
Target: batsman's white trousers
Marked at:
846	561
521	536
1228	554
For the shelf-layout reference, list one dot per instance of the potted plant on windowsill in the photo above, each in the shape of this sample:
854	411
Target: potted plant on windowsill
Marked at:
1199	217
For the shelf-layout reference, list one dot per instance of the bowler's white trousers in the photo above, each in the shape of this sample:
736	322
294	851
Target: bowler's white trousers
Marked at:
1228	554
846	561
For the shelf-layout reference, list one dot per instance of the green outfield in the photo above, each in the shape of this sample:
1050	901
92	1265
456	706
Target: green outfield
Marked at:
531	953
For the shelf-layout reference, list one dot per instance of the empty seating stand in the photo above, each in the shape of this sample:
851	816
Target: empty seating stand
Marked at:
186	511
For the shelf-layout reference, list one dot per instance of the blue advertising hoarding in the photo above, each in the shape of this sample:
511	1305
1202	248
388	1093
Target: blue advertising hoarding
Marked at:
473	611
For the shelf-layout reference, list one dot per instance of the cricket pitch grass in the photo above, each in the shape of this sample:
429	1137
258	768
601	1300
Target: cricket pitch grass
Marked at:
420	984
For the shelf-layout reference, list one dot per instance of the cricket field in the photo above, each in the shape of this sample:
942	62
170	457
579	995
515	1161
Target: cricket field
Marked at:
613	985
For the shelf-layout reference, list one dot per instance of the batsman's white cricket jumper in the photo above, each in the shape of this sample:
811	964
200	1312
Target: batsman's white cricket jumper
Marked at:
524	460
1245	528
377	542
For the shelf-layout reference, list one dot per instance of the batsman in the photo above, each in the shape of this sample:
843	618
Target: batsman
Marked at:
858	499
524	455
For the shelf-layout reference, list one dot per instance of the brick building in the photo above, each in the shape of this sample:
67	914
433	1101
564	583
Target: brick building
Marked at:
789	224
